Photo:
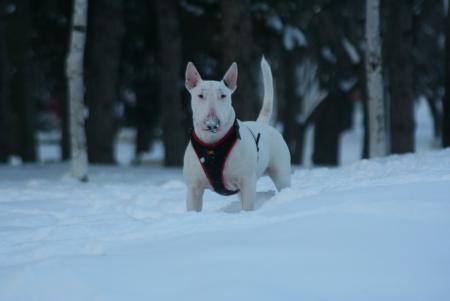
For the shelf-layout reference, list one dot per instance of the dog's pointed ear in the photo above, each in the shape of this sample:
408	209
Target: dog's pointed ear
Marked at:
230	78
193	78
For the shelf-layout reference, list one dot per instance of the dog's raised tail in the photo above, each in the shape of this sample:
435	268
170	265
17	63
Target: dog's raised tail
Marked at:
267	107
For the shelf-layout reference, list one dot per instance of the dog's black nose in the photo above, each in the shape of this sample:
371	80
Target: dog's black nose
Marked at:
213	125
212	128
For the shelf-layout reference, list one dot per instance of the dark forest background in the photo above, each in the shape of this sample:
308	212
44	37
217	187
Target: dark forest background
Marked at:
137	50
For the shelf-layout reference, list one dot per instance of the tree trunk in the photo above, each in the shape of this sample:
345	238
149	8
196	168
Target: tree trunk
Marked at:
65	126
21	95
174	133
63	96
74	74
237	45
61	93
446	102
143	130
375	102
327	131
146	111
292	103
437	118
400	68
365	111
4	95
297	155
103	47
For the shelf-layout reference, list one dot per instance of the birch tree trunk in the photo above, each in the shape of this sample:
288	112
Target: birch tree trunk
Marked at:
376	108
74	73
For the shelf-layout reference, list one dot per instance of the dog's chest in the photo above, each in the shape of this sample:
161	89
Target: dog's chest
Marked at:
240	164
213	159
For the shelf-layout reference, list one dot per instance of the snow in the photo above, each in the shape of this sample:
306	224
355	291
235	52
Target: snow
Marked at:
193	9
371	230
10	8
293	37
328	55
347	84
274	22
351	51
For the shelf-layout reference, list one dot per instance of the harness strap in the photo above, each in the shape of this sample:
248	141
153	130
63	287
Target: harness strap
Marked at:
256	138
213	157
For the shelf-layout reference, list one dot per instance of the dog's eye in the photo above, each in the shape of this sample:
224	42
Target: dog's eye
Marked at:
200	96
222	96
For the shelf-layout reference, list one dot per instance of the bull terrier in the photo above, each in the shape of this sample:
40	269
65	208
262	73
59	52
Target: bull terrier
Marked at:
227	155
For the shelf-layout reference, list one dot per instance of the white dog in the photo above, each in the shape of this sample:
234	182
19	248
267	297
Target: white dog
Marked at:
227	155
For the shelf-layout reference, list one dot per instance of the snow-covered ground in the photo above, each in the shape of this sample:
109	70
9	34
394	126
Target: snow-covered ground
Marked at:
370	230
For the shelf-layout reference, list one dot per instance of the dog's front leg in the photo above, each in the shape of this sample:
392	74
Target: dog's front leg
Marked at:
248	193
194	200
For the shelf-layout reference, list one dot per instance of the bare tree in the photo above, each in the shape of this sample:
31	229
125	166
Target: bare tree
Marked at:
21	81
174	133
237	45
291	131
398	41
74	72
376	107
103	49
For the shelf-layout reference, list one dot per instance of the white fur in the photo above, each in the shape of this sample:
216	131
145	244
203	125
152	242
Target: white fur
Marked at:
211	104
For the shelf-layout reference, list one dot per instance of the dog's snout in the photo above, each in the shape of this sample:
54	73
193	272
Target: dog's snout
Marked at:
212	124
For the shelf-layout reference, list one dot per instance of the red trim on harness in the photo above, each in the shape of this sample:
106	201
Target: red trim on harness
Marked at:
209	145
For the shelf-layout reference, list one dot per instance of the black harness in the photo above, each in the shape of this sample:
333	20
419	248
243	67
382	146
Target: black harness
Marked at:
213	156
